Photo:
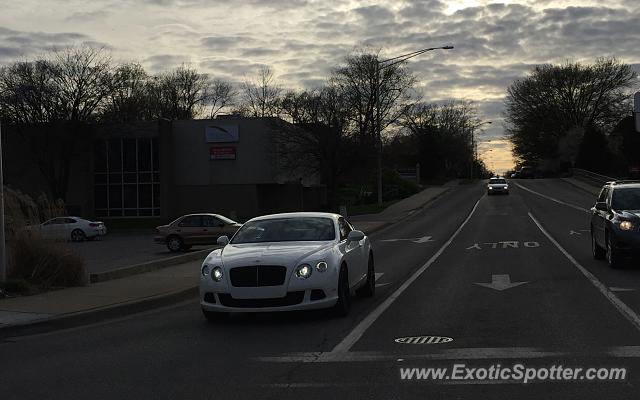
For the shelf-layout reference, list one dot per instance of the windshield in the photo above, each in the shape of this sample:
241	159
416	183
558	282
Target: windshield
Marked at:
286	230
497	182
626	199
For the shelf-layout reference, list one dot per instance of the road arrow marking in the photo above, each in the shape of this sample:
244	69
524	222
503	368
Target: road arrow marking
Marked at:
500	282
423	239
619	289
574	233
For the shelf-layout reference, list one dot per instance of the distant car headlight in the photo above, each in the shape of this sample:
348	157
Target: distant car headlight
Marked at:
322	266
303	271
490	188
626	225
206	269
216	274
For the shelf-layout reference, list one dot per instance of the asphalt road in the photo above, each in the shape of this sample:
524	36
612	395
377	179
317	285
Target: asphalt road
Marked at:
509	279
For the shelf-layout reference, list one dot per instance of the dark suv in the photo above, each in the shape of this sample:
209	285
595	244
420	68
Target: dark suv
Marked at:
615	222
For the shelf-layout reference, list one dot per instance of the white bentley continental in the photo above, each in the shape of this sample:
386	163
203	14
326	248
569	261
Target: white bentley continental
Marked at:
285	262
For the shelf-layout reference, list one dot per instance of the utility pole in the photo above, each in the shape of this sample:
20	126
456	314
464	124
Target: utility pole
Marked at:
378	134
3	256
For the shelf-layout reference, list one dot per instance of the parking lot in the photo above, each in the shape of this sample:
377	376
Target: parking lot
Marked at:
121	249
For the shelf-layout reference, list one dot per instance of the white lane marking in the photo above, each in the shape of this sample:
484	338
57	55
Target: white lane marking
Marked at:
469	353
572	232
553	199
473	353
620	289
500	283
625	310
359	329
423	239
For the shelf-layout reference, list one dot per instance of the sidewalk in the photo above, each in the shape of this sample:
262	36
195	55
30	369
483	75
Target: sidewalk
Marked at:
121	296
99	296
369	223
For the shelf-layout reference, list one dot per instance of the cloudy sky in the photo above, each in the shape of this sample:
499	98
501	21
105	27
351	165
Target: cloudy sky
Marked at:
302	40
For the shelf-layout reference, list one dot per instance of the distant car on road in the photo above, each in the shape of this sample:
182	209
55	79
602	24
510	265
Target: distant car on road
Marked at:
497	185
69	228
526	172
194	229
615	222
285	262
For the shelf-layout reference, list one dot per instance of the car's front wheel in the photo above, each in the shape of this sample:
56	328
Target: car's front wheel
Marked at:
598	252
369	288
343	306
174	243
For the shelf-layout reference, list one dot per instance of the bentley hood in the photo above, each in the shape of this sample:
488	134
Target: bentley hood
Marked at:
287	254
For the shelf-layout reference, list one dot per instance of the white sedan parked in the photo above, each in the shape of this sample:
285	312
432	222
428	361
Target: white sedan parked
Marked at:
284	262
69	228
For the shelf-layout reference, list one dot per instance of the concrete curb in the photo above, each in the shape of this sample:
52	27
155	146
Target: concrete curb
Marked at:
94	315
148	266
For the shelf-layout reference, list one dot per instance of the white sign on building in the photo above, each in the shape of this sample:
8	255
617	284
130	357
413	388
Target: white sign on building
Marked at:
221	133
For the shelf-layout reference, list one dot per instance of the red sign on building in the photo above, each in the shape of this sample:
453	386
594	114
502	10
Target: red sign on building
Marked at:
222	153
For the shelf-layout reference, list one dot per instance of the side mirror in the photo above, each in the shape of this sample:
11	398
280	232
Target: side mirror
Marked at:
355	236
601	206
223	240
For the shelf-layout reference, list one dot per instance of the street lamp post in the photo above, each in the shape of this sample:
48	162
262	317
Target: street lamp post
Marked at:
380	65
474	146
3	257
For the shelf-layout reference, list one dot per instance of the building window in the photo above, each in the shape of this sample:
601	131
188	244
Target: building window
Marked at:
127	178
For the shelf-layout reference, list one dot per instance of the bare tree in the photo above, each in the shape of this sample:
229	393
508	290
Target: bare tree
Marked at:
319	143
357	80
556	99
59	93
179	94
219	95
442	134
261	96
128	98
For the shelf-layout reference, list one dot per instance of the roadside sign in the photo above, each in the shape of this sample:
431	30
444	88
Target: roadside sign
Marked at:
222	153
221	133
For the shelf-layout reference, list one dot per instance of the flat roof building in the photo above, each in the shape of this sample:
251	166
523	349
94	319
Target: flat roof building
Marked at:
164	169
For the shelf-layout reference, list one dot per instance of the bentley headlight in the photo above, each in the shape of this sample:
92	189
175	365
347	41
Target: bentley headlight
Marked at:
321	266
303	271
626	225
216	274
206	269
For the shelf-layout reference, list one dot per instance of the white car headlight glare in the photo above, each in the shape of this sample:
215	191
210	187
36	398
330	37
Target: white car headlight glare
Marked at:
626	225
322	266
303	271
216	274
206	269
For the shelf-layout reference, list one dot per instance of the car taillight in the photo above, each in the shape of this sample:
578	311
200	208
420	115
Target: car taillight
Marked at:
94	225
